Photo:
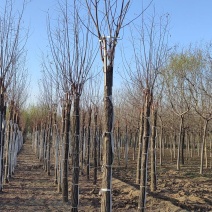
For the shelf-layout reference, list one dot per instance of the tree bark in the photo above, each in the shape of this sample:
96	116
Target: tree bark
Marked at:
144	159
95	146
2	133
75	155
66	151
106	200
88	144
203	145
82	141
141	130
8	140
180	142
153	185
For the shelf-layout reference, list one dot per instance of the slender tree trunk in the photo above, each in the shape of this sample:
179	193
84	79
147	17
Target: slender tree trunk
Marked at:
144	159
99	146
180	142
126	146
56	146
82	142
88	144
2	134
203	145
8	140
141	130
135	144
61	148
153	185
66	151
174	144
75	155
206	155
182	146
118	143
95	146
49	143
161	140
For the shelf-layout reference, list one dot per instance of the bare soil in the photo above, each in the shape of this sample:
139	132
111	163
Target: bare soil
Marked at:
30	189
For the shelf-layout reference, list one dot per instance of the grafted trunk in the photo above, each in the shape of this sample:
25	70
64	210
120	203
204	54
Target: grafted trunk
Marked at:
75	155
106	190
144	159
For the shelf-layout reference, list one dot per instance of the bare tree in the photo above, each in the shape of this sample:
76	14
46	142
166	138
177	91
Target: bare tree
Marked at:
200	88
72	56
12	43
108	24
150	56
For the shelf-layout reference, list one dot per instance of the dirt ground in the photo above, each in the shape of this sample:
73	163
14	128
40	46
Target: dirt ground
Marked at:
30	189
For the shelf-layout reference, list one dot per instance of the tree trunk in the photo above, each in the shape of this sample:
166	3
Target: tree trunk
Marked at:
161	140
8	140
179	142
182	146
203	145
141	130
61	148
95	146
144	159
56	146
153	185
66	151
82	141
2	137
88	144
126	146
100	146
75	155
106	200
118	143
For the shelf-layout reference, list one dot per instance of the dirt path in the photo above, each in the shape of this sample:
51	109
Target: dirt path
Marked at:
30	189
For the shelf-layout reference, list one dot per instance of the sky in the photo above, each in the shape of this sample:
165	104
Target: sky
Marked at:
190	22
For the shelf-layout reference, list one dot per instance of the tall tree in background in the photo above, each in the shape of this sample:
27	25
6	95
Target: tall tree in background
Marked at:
180	66
199	79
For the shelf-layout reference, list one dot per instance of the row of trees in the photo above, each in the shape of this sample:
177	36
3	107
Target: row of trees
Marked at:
166	100
13	84
170	89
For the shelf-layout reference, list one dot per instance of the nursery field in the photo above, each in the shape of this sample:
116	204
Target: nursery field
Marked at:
30	189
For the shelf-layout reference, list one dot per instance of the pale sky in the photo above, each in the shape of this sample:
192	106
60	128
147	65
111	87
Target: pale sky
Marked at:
190	22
